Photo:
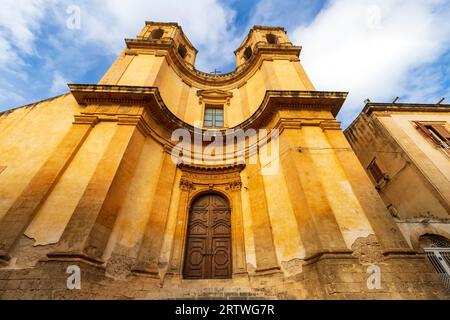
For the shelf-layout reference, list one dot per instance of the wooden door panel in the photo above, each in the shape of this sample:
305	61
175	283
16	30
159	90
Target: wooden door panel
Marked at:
221	259
208	248
195	266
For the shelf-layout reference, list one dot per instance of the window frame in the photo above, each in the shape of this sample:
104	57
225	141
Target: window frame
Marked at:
271	39
436	132
375	171
214	119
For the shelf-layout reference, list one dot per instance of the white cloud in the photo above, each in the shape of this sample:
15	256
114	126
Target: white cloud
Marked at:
35	32
207	24
370	48
375	49
59	84
19	23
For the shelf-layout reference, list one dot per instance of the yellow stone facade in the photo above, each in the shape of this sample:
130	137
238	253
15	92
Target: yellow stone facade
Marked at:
90	179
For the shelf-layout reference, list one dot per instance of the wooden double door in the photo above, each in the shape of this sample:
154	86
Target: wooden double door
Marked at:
208	247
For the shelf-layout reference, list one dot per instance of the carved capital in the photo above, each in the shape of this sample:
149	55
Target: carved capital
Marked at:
186	185
129	121
330	125
86	119
236	185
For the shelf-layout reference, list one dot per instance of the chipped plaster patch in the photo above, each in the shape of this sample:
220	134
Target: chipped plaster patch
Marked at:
368	250
292	267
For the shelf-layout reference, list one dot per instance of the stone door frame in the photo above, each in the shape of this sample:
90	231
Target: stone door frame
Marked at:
196	181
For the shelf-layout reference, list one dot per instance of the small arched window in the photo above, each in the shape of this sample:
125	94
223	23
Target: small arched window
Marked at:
248	53
437	249
182	51
271	38
157	33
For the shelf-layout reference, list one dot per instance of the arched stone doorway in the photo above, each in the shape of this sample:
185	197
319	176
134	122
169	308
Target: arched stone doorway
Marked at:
208	243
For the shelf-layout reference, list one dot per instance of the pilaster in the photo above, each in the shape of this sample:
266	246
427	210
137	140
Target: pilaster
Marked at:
316	221
18	217
237	224
90	226
176	258
150	249
386	230
266	258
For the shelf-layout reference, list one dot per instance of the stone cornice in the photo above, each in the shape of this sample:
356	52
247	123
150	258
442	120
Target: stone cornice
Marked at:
86	94
224	168
150	97
405	107
315	100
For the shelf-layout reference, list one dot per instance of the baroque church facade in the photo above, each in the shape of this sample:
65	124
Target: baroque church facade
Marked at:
125	181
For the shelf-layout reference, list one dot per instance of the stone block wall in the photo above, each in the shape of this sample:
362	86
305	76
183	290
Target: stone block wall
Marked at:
328	277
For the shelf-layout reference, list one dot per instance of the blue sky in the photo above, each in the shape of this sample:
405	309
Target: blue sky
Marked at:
376	49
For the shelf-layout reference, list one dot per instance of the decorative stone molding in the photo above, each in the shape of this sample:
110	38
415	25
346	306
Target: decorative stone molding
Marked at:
86	119
330	125
186	185
150	98
196	181
387	108
236	185
214	96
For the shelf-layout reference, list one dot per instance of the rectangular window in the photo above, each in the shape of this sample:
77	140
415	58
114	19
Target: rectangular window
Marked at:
214	116
375	171
436	132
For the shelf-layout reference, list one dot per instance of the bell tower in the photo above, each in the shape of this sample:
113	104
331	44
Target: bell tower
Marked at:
261	37
161	33
142	60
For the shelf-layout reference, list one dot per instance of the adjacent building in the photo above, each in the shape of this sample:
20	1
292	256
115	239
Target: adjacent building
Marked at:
405	149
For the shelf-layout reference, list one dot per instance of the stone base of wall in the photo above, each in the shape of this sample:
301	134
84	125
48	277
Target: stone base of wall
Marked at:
327	277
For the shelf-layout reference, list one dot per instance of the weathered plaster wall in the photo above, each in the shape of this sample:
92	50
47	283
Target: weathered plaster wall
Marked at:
50	221
420	149
418	184
26	141
134	212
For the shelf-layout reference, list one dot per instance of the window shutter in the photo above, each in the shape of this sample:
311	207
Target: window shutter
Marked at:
375	171
423	129
442	131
